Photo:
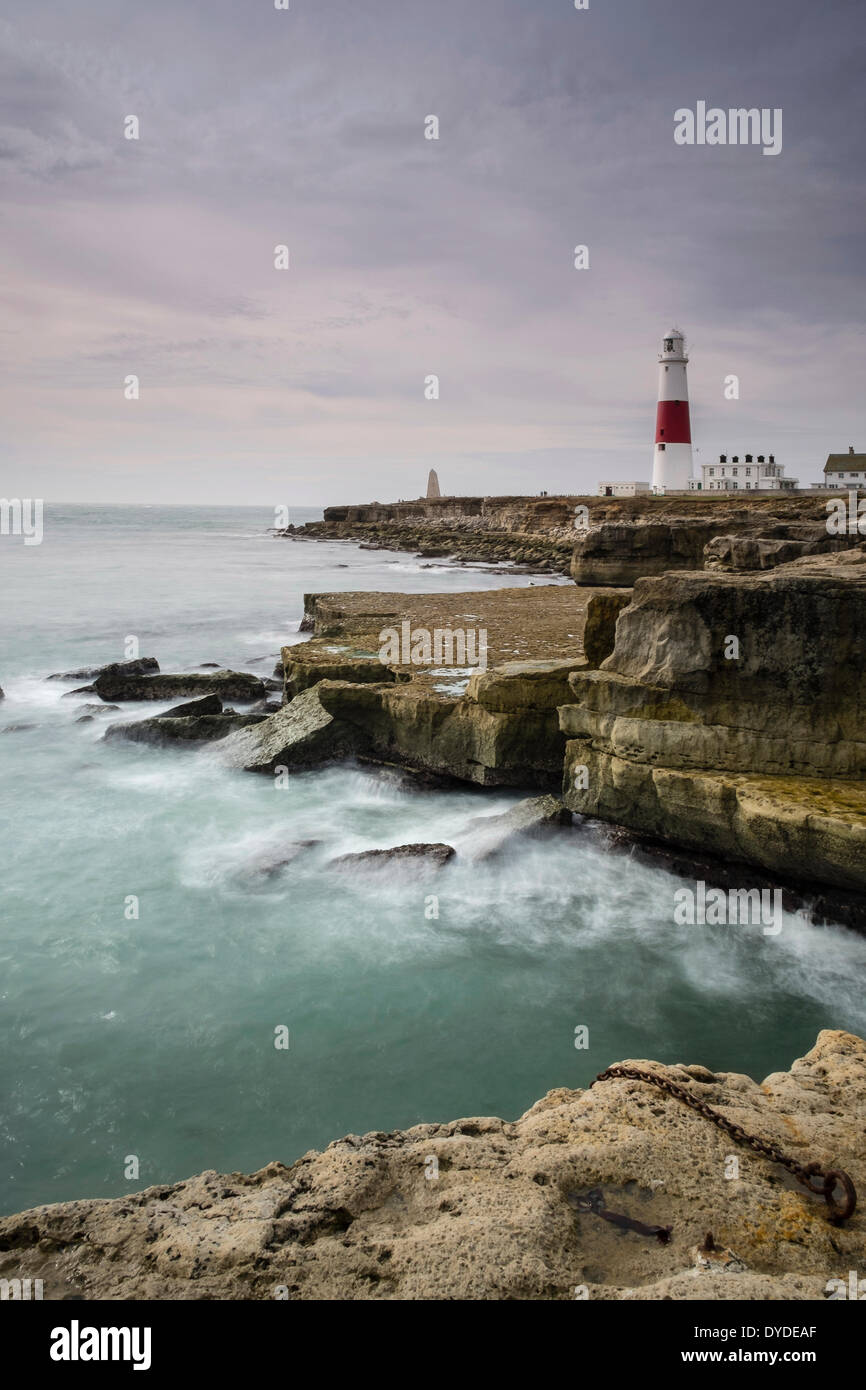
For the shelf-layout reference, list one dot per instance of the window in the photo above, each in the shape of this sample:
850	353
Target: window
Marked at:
669	344
748	472
711	473
735	471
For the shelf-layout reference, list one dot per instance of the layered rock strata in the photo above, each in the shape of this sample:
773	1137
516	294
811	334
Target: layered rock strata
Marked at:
492	727
729	717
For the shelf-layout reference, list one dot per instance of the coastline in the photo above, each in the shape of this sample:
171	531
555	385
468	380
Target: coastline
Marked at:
489	1209
558	695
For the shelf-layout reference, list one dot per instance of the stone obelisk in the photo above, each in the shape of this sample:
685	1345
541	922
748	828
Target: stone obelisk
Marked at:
433	485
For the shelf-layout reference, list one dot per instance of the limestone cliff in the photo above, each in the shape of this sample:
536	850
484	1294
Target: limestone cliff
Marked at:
728	717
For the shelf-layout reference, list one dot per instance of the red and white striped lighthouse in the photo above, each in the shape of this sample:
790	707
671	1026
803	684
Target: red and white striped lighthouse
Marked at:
672	456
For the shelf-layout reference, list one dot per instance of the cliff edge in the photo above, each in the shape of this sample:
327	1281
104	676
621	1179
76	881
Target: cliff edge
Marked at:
486	1208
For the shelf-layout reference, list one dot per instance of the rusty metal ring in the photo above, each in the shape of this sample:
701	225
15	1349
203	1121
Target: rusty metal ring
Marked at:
839	1211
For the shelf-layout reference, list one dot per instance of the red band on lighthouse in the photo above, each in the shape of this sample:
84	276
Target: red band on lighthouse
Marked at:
672	423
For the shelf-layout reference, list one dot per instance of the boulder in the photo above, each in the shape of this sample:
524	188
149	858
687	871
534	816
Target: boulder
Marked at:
415	860
301	734
207	704
141	666
114	684
202	728
95	709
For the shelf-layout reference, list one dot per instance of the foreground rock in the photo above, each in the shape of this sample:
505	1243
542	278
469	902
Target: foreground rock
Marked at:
362	1220
200	728
115	684
754	750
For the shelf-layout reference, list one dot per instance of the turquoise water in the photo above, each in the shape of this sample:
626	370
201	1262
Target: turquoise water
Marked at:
155	1037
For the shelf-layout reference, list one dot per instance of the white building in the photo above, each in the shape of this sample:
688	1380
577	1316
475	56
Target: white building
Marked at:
845	470
622	489
746	474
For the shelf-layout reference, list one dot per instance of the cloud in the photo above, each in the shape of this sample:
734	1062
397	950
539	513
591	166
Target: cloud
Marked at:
411	257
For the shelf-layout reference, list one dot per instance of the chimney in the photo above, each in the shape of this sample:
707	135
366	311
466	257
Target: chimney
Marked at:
850	448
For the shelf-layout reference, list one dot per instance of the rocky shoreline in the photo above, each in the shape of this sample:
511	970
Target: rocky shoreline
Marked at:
713	710
487	1208
696	693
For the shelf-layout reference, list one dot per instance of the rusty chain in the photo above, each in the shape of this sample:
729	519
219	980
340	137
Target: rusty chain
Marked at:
807	1174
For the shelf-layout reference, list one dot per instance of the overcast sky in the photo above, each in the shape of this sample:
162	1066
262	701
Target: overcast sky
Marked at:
411	257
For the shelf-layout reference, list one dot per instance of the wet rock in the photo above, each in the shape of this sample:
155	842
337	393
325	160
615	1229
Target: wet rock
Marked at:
17	728
208	704
95	709
114	684
416	860
486	837
203	728
301	734
141	666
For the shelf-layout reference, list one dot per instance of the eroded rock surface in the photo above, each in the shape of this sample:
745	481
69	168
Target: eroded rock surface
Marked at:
479	1208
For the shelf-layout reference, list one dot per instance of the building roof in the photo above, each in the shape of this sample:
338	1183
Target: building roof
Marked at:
841	463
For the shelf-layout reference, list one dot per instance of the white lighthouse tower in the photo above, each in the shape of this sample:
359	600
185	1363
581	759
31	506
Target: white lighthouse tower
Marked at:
672	455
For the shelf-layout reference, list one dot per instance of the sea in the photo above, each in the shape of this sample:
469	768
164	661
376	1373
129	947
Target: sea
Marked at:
168	1006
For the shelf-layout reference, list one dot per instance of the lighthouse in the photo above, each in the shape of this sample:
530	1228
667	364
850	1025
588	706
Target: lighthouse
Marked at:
672	455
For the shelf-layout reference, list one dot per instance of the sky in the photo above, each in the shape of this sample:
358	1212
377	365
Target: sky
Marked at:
411	257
